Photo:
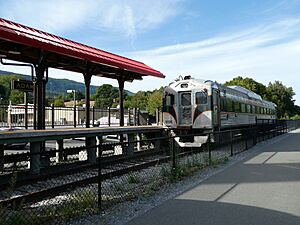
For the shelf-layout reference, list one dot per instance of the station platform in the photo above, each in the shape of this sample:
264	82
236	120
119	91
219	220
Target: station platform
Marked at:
261	189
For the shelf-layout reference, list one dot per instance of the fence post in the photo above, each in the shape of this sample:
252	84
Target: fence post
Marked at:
52	115
75	116
134	120
138	116
231	143
157	116
1	157
172	148
209	151
129	116
99	176
26	110
93	115
108	116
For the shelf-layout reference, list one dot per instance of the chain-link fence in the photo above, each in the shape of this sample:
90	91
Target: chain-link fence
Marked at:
70	185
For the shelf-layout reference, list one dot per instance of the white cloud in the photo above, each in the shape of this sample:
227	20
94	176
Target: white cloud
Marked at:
265	53
124	17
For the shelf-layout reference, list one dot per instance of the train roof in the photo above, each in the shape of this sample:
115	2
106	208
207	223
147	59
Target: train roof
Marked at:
236	90
250	94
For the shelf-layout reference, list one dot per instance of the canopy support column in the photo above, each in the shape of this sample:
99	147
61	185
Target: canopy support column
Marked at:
87	82
121	100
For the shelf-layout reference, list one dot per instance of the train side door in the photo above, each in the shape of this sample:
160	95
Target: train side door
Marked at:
185	108
216	107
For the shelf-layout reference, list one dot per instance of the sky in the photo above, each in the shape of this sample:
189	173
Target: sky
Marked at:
214	40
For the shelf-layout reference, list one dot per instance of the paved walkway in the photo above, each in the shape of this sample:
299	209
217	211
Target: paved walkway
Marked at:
262	189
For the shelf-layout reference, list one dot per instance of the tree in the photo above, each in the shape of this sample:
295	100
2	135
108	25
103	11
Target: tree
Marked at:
78	95
139	100
5	88
249	84
282	96
59	102
155	101
16	97
105	95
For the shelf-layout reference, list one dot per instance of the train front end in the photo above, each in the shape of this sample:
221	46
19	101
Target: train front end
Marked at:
186	107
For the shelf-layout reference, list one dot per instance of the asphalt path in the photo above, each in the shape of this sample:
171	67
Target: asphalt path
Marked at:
262	189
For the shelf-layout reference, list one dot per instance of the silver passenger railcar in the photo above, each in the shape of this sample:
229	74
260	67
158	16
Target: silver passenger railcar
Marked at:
201	106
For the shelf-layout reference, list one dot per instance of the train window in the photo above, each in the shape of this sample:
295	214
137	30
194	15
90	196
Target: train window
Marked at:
201	98
186	99
229	105
223	104
243	107
169	100
248	108
257	109
237	107
253	109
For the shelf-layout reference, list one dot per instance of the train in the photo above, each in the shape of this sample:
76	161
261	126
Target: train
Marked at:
195	106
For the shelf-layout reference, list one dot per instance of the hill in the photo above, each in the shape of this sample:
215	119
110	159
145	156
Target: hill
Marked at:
56	87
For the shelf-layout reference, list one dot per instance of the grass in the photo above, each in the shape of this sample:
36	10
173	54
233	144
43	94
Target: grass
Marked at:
79	204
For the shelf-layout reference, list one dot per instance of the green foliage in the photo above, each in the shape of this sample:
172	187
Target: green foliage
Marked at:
139	100
155	101
248	83
59	102
146	100
295	117
16	97
78	96
105	96
282	96
5	89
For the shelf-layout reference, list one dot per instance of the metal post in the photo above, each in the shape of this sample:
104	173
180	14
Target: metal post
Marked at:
87	81
40	95
209	151
231	143
34	104
99	177
26	110
135	123
108	116
74	113
93	115
121	101
1	157
52	115
157	116
172	149
129	116
138	117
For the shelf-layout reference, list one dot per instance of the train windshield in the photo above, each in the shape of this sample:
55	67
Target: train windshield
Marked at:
186	99
201	98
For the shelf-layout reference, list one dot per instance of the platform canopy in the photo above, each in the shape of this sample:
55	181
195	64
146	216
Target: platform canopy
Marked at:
24	44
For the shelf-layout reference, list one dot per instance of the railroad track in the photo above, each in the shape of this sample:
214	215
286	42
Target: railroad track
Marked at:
41	189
